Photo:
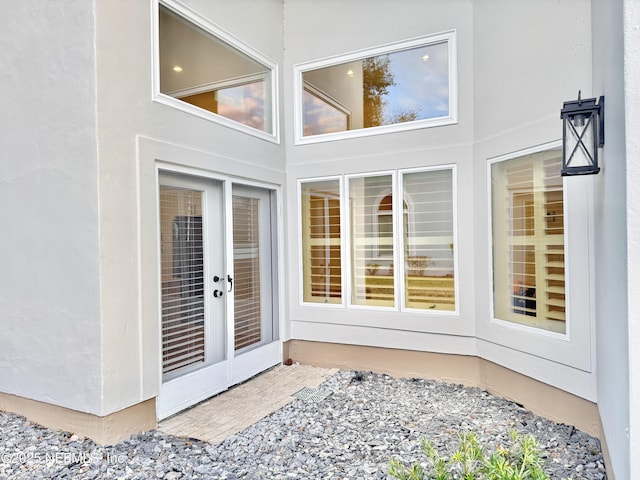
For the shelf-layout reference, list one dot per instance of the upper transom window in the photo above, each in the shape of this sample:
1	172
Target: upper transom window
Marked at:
397	87
200	71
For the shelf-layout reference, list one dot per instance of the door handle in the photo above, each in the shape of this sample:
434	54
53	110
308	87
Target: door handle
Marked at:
230	280
217	293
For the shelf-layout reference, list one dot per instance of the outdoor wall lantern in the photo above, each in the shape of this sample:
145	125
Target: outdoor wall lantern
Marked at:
582	134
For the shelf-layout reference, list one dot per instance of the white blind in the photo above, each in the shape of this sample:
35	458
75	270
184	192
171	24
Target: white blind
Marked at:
246	265
182	270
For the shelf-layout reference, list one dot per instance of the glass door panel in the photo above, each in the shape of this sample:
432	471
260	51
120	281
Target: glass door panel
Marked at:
253	269
246	266
192	292
182	278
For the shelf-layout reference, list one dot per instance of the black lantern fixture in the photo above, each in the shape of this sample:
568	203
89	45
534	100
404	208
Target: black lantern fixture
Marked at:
582	134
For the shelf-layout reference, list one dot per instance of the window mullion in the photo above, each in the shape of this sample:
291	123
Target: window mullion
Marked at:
345	214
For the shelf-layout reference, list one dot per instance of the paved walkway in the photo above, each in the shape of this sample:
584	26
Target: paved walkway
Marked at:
241	406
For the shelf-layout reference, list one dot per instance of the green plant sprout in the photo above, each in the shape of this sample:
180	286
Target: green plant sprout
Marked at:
521	461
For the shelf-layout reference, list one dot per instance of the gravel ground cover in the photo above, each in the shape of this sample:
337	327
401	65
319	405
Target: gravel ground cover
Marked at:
351	434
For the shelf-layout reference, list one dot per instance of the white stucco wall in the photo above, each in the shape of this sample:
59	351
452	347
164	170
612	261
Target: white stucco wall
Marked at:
126	113
512	81
49	276
522	76
632	142
610	202
76	276
317	30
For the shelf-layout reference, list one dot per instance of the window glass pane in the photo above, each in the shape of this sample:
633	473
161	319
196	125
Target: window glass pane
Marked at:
321	115
200	69
401	86
528	241
428	237
321	262
371	240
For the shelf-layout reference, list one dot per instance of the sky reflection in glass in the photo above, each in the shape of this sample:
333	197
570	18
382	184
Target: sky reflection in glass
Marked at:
322	117
421	77
244	104
413	85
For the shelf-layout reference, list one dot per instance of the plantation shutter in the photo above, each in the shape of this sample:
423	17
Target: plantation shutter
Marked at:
552	219
529	278
321	250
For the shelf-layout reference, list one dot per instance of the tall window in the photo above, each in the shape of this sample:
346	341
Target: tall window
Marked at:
321	242
429	265
371	236
396	87
205	71
414	243
528	241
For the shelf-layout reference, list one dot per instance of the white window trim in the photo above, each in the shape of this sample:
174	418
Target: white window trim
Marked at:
272	114
298	84
574	347
208	87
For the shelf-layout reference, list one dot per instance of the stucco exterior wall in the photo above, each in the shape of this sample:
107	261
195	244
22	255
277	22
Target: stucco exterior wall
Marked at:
631	10
511	84
610	215
522	76
314	31
134	131
80	133
49	248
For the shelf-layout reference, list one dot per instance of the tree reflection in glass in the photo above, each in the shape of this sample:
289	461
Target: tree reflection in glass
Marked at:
397	87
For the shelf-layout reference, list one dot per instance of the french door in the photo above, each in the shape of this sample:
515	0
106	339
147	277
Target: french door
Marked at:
217	287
